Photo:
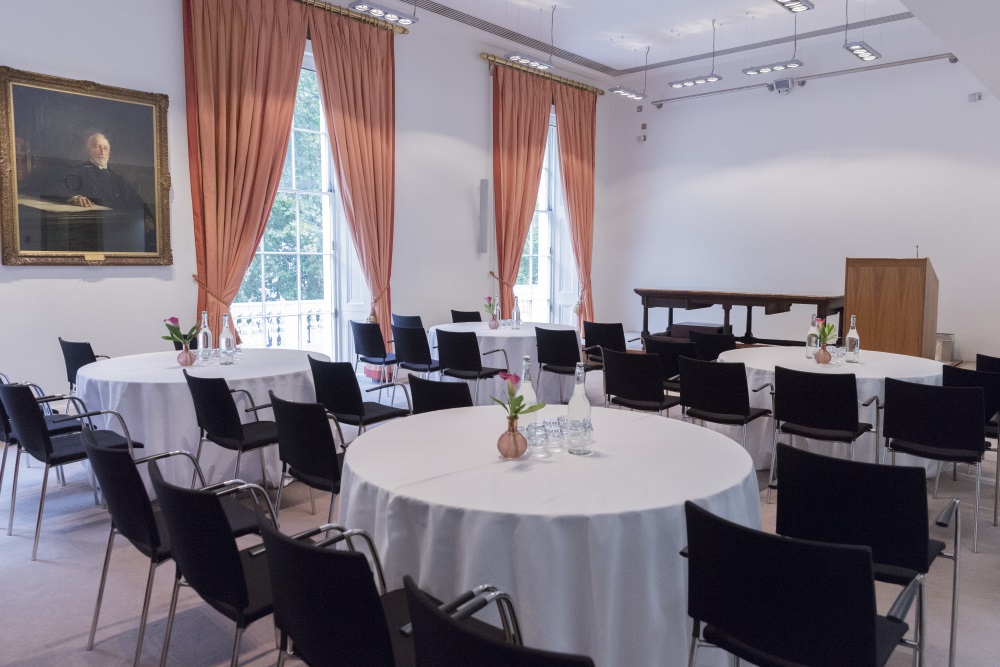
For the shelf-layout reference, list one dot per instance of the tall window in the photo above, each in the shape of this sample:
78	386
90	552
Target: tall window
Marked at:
287	299
547	283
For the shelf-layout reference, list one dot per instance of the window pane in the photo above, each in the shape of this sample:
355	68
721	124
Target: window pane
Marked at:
280	277
279	236
311	223
312	277
308	161
250	290
286	170
307	102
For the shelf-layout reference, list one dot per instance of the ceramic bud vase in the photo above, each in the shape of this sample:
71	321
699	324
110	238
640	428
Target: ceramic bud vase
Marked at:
186	357
512	443
494	324
823	355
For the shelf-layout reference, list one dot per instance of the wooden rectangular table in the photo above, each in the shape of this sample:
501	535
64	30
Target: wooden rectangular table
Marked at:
771	303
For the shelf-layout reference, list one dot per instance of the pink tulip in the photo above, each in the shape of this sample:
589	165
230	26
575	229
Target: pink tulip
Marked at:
173	321
489	299
513	380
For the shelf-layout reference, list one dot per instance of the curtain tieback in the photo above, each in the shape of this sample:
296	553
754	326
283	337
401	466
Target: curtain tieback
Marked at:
501	280
209	291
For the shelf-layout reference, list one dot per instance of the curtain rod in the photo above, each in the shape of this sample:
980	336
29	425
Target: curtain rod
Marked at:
497	60
347	13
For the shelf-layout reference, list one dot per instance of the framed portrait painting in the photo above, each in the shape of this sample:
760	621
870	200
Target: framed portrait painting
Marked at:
83	172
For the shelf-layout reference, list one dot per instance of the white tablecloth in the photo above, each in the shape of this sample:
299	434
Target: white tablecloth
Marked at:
517	343
587	546
150	392
871	373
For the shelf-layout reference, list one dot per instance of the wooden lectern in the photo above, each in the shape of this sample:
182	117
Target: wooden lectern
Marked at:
895	302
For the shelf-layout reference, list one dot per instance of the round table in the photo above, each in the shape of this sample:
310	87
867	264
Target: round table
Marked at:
871	372
587	546
150	392
518	343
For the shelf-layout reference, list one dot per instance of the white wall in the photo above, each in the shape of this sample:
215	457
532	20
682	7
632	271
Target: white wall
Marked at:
753	191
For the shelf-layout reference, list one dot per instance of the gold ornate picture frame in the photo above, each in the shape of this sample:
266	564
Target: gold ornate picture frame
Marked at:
83	173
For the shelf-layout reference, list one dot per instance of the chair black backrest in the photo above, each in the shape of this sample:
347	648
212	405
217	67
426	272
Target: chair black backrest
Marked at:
987	363
848	502
337	387
714	387
407	321
440	641
988	381
635	376
6	433
214	407
305	441
816	400
669	351
808	603
202	542
193	345
368	341
430	395
459	350
557	347
27	423
124	493
609	336
946	417
709	345
76	356
411	345
466	316
325	600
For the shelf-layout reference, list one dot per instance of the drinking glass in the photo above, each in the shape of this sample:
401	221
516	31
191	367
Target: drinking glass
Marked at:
578	438
554	436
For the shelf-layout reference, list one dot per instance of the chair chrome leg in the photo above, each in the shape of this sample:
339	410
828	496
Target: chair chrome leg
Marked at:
145	613
41	508
693	652
170	621
239	455
281	486
975	517
282	656
61	475
312	500
921	629
937	480
263	470
774	456
197	458
329	514
953	636
3	463
13	491
236	648
100	589
996	486
475	399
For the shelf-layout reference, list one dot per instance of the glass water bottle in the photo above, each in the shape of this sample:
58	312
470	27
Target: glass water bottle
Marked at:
516	315
812	339
205	340
579	406
527	392
227	343
853	344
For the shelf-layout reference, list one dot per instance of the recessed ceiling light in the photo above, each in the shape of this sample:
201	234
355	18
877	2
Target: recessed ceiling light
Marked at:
383	13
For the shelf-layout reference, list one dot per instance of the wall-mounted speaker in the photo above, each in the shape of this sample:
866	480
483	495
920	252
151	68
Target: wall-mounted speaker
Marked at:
484	215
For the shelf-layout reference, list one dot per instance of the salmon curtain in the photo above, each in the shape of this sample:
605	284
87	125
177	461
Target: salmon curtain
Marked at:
241	60
521	106
356	72
576	120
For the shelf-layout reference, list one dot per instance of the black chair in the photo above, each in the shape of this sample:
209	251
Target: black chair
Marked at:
820	406
233	582
413	321
784	602
599	336
989	382
709	346
219	421
559	353
307	449
938	423
139	520
466	316
412	350
28	423
326	601
669	351
369	347
76	356
633	381
718	393
337	389
430	395
444	637
882	507
193	345
459	357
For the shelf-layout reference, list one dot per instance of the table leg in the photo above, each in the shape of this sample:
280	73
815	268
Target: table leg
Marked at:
645	319
726	307
748	335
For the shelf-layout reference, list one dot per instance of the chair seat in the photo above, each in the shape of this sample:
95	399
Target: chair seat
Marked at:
648	406
388	360
58	424
570	370
433	367
255	435
258	579
672	385
472	375
69	448
827	434
318	481
374	413
719	418
902	576
936	453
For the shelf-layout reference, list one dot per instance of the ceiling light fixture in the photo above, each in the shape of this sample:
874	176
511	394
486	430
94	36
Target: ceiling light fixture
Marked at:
628	92
796	6
535	62
711	77
385	13
781	65
860	48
